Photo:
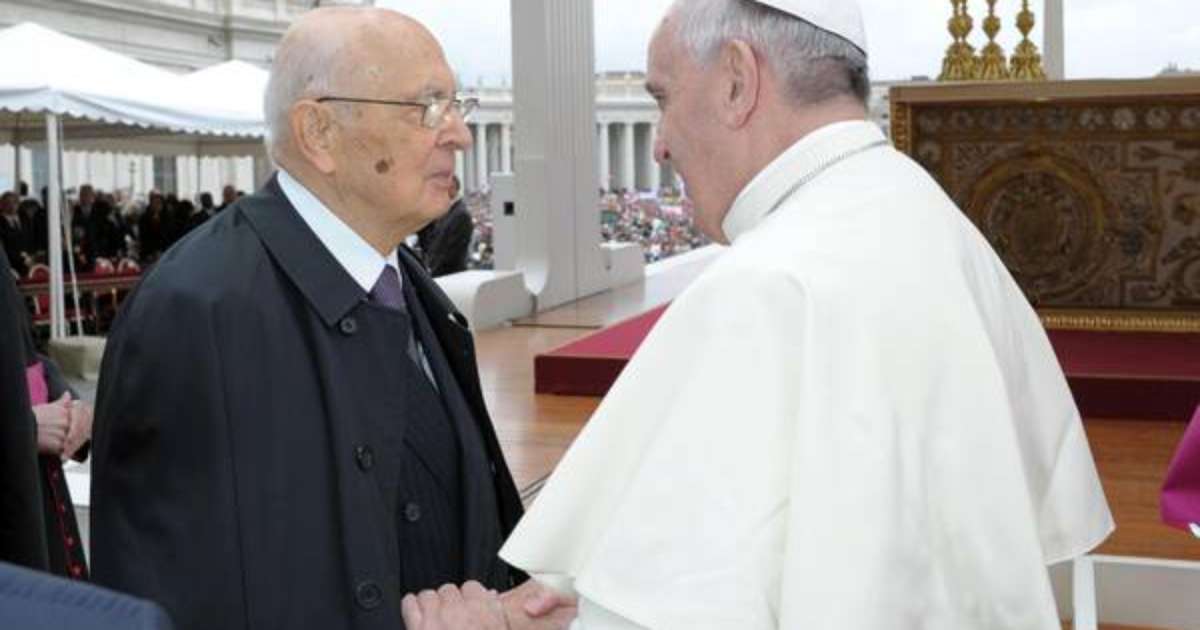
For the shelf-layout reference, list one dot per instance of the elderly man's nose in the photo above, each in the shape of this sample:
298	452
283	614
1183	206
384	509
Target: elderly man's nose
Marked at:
457	133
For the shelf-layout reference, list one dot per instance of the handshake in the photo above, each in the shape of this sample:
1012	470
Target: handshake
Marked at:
473	607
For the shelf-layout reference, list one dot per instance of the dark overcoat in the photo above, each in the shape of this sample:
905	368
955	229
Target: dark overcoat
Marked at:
233	477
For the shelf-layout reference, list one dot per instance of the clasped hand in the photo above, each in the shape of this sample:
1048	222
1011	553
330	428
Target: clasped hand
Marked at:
473	607
63	426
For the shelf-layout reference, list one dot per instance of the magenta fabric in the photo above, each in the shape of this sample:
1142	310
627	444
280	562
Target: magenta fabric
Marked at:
35	377
1181	490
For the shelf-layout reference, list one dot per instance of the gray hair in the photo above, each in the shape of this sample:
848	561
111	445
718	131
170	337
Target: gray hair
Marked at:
815	65
300	70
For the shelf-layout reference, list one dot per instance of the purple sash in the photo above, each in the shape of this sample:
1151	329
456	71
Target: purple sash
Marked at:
1181	490
35	378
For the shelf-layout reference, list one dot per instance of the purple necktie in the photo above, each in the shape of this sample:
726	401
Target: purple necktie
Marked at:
388	292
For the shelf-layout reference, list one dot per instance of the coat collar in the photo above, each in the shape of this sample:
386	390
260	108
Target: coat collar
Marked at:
796	166
297	250
322	280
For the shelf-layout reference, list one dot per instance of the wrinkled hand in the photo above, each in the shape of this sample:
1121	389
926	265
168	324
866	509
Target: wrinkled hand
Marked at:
53	423
532	605
80	430
472	608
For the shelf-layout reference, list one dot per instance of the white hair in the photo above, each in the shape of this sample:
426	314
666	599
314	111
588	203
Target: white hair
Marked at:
815	65
306	69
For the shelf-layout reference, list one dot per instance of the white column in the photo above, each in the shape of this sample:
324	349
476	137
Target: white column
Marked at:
468	158
481	156
605	157
1053	40
460	169
17	163
505	148
627	164
554	92
654	168
146	170
262	167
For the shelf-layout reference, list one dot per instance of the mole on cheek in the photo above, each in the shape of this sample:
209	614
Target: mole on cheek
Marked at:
383	166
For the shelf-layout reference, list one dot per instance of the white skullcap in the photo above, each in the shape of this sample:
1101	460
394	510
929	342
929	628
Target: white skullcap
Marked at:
840	17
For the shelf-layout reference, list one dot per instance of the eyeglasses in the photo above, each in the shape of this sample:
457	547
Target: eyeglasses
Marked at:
437	111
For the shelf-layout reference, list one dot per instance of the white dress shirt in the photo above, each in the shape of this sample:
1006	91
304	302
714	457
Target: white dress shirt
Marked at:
362	261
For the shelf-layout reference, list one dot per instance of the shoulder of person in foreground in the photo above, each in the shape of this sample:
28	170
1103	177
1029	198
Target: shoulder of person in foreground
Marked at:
31	599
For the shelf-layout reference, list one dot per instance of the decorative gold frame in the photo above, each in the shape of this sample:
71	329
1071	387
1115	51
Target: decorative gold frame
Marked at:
907	98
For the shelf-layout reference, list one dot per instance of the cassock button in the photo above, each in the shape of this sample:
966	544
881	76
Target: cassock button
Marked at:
365	457
368	595
412	512
348	326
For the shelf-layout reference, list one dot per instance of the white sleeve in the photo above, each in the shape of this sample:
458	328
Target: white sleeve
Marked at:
592	616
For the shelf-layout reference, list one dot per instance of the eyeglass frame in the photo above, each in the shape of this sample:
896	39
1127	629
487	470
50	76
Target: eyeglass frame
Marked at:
464	106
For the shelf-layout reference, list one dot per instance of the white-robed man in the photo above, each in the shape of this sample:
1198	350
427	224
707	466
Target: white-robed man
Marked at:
853	420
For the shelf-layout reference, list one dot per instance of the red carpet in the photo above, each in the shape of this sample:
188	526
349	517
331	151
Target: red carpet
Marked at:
1112	375
588	366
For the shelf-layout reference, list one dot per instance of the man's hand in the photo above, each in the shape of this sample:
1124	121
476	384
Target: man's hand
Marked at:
53	424
472	608
532	605
80	430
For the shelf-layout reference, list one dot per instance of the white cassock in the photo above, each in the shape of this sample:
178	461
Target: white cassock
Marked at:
852	420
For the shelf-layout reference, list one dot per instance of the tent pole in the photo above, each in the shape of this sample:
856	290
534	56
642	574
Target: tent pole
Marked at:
70	240
16	184
58	328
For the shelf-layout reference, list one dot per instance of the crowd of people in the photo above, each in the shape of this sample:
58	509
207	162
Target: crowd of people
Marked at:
106	225
661	224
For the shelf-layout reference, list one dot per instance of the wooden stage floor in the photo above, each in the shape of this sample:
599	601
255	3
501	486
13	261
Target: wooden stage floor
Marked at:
535	430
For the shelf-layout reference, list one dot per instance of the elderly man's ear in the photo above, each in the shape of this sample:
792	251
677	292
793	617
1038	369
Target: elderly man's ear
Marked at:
740	83
314	134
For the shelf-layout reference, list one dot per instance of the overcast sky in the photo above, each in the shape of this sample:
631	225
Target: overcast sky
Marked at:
1104	38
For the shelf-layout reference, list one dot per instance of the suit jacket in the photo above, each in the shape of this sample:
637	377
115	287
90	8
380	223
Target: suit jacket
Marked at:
445	242
35	601
22	529
233	478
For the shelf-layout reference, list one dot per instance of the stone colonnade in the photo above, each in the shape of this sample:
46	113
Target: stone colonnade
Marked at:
625	156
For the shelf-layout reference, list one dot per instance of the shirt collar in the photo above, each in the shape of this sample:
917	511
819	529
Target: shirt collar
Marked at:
805	159
352	252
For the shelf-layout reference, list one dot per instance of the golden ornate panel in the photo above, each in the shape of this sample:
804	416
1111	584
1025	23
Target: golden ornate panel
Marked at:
1093	202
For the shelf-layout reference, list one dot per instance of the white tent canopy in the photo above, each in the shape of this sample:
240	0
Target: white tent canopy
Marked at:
239	87
76	79
103	98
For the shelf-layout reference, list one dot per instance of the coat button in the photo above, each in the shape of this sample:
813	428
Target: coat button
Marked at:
348	326
412	512
368	595
365	457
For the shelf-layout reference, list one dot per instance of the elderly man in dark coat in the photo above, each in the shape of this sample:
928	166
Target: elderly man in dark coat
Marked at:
316	444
